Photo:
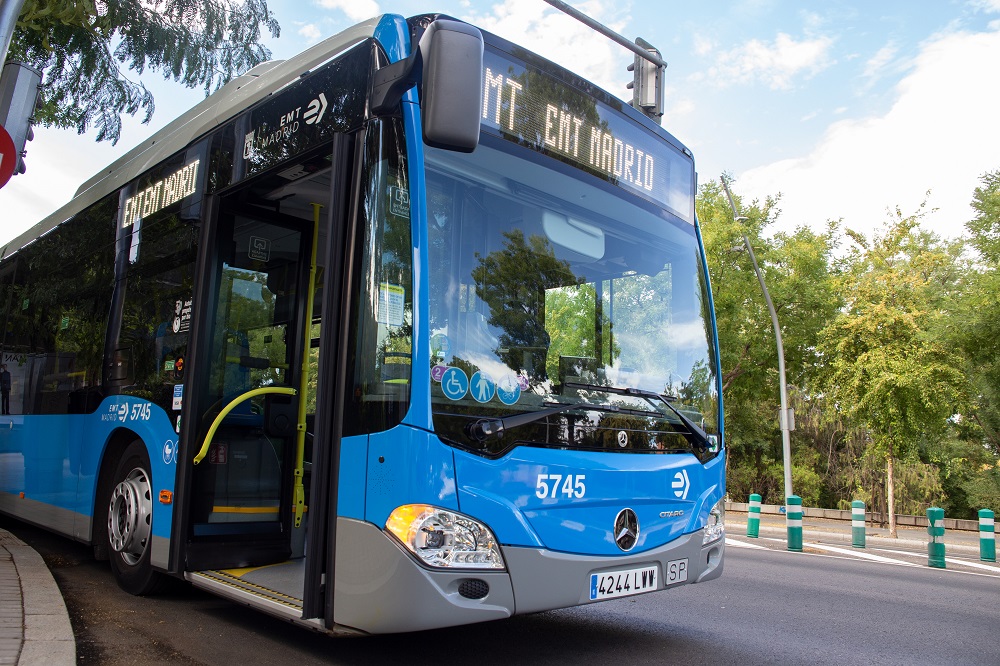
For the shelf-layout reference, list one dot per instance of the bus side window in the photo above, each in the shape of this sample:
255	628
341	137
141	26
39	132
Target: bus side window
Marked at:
157	309
57	315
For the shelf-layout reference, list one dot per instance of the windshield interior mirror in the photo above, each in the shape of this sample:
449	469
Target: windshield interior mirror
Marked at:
573	234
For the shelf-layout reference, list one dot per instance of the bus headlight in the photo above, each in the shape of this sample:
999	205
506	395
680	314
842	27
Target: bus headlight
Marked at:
442	538
715	526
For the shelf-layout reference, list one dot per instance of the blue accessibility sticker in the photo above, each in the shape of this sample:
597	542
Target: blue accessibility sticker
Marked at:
454	383
483	387
509	391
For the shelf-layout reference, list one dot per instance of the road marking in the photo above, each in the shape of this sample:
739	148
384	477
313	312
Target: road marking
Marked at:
858	554
967	563
744	544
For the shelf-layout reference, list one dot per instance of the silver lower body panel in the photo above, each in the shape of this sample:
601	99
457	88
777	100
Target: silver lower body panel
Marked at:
382	589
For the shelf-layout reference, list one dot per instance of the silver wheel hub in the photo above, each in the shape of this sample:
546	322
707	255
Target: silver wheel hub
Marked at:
130	516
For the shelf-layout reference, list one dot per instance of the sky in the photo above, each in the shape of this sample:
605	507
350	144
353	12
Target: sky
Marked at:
849	109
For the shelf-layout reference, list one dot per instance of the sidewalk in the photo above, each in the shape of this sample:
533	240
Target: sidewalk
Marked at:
34	625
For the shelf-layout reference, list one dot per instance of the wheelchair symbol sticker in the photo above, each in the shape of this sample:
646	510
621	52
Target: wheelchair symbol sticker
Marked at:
454	383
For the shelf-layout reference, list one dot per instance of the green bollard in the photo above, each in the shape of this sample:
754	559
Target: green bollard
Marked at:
753	516
793	520
987	537
858	524
935	529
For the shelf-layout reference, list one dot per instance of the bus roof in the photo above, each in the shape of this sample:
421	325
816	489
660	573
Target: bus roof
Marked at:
216	109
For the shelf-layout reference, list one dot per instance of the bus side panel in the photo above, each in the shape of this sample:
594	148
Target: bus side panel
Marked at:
54	460
353	477
407	466
39	469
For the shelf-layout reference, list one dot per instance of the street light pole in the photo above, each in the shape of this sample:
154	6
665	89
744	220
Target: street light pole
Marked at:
786	446
9	11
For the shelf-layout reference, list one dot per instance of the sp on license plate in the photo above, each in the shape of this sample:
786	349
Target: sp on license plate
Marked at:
676	571
623	582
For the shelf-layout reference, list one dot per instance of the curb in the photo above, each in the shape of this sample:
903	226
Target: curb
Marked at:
46	636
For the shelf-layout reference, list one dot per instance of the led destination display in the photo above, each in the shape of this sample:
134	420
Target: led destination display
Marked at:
529	107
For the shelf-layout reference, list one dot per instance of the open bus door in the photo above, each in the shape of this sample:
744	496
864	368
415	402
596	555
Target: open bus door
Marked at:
242	509
255	432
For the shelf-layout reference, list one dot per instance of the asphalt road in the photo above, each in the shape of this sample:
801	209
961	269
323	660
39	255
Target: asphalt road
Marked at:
769	607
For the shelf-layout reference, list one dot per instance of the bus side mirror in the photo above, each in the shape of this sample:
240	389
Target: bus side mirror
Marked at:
452	85
448	65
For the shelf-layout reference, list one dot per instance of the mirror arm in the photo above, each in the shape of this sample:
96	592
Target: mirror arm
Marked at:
391	81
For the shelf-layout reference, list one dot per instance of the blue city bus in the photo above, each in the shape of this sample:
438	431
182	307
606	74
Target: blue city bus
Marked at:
412	330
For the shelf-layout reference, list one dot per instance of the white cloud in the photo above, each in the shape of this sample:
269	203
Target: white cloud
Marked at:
776	64
877	63
939	135
988	6
356	10
564	40
703	45
310	32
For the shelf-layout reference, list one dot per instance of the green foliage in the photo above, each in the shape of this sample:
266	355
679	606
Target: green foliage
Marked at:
82	46
891	354
977	316
983	490
889	367
985	226
799	273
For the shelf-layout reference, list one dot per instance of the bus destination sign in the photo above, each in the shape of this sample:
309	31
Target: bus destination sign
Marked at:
164	192
524	105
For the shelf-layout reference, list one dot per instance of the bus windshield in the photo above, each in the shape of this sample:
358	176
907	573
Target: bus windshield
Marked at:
552	290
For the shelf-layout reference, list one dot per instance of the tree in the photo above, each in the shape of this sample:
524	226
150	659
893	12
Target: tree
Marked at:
978	313
887	369
81	46
801	277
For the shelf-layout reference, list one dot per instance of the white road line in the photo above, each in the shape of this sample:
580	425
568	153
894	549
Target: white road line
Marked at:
858	554
743	544
967	563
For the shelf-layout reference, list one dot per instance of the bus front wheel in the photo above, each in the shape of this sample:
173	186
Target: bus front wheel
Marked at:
130	523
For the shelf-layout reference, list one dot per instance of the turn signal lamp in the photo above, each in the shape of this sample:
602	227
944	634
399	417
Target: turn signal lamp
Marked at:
445	539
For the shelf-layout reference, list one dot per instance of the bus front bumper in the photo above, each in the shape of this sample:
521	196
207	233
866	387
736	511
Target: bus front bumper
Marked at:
380	588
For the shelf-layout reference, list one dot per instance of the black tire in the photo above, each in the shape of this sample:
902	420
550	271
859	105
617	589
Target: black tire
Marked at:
129	516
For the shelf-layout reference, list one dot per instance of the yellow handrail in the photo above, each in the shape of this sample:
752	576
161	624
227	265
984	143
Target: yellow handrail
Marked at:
298	489
284	390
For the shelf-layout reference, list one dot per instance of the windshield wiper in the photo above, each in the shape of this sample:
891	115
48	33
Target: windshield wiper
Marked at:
701	435
486	428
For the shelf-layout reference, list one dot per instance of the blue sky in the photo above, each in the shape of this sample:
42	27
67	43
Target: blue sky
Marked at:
845	108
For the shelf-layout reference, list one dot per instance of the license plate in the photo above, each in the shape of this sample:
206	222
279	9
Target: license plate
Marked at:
676	571
622	583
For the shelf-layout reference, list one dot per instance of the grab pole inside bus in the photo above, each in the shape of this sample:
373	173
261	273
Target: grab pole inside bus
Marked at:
299	497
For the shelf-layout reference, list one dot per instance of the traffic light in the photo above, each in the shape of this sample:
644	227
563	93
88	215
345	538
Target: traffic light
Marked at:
647	82
18	93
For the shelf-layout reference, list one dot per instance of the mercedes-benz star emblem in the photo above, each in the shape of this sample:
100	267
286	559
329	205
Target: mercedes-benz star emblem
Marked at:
626	529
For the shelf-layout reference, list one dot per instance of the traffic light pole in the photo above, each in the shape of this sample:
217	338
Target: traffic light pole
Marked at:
648	67
9	11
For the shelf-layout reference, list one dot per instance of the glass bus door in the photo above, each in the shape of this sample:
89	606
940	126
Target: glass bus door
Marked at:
242	508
